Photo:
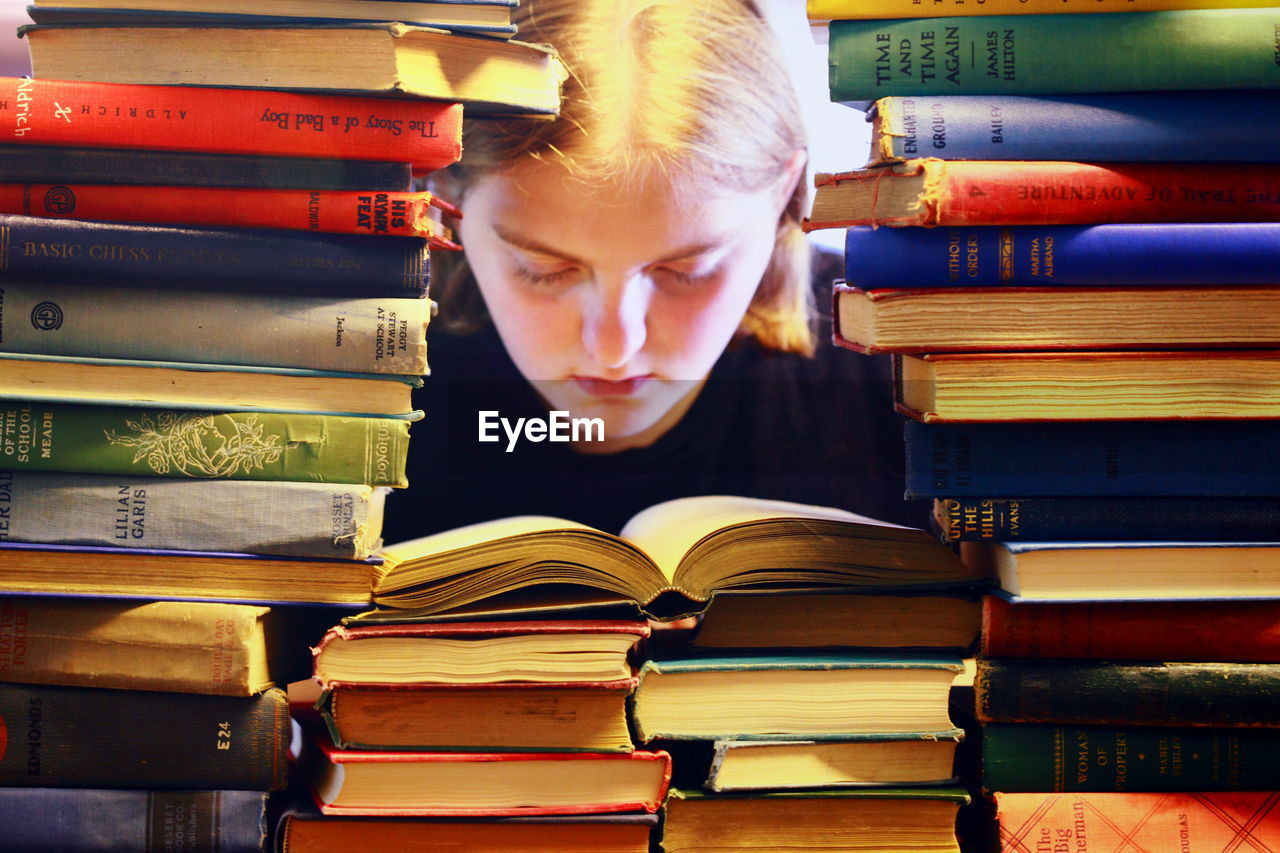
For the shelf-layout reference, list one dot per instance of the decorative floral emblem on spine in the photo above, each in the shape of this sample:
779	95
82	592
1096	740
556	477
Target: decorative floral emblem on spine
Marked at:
192	444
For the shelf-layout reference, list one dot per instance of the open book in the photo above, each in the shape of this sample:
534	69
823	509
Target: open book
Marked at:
670	558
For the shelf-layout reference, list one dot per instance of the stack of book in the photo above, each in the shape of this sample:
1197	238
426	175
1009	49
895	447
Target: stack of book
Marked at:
807	698
1084	334
216	313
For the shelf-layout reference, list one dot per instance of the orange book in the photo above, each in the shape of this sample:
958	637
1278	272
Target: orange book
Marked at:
427	134
405	214
1046	823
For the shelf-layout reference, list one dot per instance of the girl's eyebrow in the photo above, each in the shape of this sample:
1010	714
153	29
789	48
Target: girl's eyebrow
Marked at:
528	245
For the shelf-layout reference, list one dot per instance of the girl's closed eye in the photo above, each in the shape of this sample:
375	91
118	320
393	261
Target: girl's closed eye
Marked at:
541	277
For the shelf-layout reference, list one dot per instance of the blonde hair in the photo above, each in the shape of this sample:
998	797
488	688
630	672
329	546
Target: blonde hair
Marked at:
696	91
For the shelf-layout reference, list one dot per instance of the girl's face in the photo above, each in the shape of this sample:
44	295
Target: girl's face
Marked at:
615	304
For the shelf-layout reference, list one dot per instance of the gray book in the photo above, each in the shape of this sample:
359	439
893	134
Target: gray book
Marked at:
277	518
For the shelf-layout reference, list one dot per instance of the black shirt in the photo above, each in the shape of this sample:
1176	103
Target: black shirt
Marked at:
818	430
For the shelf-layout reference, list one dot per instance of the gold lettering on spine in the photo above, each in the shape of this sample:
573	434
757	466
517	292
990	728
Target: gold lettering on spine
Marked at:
1006	254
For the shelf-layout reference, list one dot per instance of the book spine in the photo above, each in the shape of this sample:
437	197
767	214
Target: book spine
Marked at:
229	446
232	259
281	519
1152	127
191	647
1241	631
1046	54
427	134
51	820
1192	821
1108	519
96	738
834	10
960	193
378	335
401	214
1228	458
1023	255
1125	758
1110	693
45	163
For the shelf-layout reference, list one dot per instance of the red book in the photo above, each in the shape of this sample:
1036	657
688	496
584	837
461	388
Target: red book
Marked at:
1010	192
1239	631
404	214
427	134
1193	822
440	784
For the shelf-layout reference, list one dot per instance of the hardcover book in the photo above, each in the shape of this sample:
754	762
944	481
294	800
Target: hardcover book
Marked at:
887	820
439	784
190	647
1091	459
1089	386
1241	631
40	436
1127	758
492	17
481	717
1156	821
81	253
187	575
206	387
341	521
827	10
931	320
1174	253
812	696
608	833
1049	54
963	193
550	652
1115	693
670	557
873	760
1116	571
267	123
1158	127
157	740
487	75
377	335
53	820
47	163
816	620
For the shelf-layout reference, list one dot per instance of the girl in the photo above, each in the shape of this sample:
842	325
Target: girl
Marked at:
638	263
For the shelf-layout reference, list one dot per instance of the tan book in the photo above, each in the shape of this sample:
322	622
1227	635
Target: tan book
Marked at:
1078	386
1056	318
173	646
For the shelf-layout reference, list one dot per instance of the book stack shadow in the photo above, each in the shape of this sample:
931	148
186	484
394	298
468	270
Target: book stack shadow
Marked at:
1079	289
214	309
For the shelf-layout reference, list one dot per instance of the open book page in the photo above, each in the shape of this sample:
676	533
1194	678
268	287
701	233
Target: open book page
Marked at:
475	534
669	530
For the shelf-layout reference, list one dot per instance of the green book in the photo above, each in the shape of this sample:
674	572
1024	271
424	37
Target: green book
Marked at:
1047	54
233	445
1031	759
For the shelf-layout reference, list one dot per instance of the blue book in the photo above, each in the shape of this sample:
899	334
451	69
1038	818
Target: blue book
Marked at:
1097	519
1188	127
227	259
824	696
1196	254
44	164
1115	458
88	820
1131	571
484	17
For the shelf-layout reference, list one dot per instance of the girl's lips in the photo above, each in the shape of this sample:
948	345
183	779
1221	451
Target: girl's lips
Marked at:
597	387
